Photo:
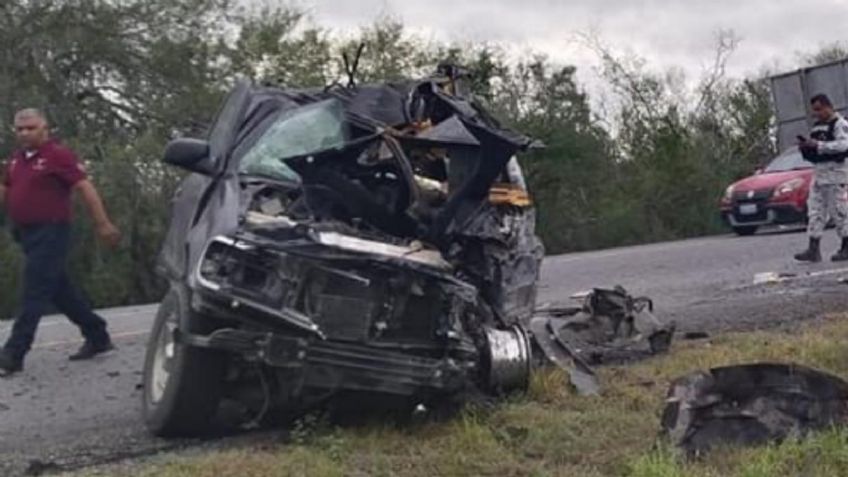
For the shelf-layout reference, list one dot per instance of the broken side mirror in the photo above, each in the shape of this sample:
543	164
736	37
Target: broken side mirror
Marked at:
190	154
758	171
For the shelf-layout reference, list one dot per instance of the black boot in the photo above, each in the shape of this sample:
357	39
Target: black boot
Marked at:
842	254
90	350
812	254
9	364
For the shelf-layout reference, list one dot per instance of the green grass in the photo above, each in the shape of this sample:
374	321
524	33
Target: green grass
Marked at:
553	432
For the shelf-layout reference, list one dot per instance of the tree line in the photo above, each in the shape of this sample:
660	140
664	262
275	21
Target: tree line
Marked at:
119	78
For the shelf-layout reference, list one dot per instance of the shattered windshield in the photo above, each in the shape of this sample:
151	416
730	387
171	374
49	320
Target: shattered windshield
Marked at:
295	132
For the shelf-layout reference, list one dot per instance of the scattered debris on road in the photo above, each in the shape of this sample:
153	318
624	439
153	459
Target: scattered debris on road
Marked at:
751	404
772	277
611	326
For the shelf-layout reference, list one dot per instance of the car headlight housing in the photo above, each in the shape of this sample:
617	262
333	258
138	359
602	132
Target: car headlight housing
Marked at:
788	187
728	193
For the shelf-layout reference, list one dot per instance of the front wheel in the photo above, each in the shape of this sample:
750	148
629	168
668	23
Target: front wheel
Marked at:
182	384
745	230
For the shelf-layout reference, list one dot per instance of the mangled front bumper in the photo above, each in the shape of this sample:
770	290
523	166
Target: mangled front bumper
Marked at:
335	365
348	313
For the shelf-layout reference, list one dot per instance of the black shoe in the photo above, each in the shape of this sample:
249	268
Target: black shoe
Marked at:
842	254
812	254
9	365
90	350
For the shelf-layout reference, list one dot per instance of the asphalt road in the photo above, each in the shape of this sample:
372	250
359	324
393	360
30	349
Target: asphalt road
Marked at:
707	284
62	415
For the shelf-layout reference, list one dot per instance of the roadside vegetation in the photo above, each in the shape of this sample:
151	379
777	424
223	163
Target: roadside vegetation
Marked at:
119	78
553	432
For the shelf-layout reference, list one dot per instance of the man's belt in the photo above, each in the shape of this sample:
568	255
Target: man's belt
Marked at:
831	158
816	158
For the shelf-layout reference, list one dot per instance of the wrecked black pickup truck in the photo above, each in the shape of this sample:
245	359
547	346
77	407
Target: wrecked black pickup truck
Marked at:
352	246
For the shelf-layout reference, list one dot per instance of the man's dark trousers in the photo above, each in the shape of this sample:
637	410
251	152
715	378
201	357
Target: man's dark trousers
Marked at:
46	281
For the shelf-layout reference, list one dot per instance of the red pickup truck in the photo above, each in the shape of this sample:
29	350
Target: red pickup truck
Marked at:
774	195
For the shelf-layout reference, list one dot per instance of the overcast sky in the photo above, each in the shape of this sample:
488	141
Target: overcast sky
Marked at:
666	33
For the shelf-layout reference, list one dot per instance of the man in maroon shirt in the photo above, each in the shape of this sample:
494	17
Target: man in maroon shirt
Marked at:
36	192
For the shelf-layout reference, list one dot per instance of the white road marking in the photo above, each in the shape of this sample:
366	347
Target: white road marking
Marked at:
52	344
834	271
54	320
775	277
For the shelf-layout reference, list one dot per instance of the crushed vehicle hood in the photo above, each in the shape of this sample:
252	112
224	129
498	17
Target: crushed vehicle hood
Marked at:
397	118
403	162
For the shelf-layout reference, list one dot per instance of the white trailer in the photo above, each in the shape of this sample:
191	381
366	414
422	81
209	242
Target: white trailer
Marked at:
792	91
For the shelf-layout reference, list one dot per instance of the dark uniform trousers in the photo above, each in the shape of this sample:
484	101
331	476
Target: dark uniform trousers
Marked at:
46	281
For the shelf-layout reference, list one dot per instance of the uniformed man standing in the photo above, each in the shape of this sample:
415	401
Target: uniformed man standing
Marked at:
827	149
36	193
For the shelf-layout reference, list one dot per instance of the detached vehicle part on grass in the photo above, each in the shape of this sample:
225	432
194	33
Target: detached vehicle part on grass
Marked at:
751	404
610	326
351	247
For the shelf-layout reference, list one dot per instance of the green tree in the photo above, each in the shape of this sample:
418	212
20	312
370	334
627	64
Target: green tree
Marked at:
389	53
278	45
116	78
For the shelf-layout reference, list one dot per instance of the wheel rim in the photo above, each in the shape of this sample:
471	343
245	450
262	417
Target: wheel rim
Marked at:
162	358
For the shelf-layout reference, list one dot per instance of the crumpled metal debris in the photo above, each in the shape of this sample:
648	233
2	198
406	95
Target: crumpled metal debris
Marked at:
558	352
751	404
611	326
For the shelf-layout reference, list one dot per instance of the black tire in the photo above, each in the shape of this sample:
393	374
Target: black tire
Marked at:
181	400
745	230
